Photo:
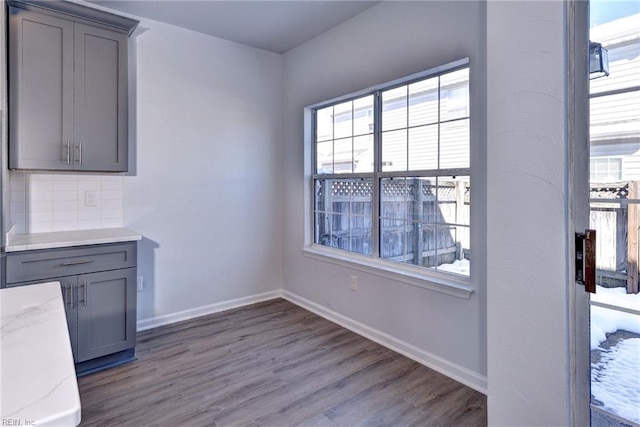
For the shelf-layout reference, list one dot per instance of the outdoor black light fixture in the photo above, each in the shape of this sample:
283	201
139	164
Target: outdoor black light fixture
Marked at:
598	61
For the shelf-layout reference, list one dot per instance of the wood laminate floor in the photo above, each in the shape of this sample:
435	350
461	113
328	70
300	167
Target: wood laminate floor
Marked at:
272	364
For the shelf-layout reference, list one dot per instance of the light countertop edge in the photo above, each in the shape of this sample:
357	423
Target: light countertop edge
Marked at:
65	239
39	385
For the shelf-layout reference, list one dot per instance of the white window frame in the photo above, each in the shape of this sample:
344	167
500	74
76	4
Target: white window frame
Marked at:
451	284
593	161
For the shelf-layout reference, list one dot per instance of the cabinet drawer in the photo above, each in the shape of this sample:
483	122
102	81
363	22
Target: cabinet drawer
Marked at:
52	263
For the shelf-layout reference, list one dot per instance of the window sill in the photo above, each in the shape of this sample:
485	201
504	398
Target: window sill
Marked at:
414	276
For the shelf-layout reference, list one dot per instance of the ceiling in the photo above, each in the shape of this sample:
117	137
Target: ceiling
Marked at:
276	26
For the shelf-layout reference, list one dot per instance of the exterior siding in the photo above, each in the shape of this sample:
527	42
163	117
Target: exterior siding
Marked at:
615	118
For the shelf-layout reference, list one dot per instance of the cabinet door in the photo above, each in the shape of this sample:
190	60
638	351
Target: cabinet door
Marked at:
40	91
100	100
70	298
106	313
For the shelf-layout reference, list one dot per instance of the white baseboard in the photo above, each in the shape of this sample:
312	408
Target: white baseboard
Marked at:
461	374
204	310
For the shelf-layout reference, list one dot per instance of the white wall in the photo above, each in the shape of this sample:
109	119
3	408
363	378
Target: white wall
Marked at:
389	41
527	249
205	191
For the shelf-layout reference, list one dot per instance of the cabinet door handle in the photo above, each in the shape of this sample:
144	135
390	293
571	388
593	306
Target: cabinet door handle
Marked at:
84	288
68	144
79	148
86	292
69	299
78	262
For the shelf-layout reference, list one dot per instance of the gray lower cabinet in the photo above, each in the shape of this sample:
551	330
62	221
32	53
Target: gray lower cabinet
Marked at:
98	285
98	307
67	88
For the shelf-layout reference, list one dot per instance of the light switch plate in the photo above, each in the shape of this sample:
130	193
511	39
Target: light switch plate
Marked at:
90	199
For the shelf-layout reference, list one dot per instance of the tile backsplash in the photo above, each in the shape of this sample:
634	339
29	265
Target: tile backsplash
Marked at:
58	201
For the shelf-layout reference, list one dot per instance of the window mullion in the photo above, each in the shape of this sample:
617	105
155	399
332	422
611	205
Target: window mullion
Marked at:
333	139
377	167
406	128
405	227
436	224
439	117
314	168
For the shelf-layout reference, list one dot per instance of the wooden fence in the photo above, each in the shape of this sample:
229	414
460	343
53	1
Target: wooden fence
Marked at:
614	216
426	224
420	223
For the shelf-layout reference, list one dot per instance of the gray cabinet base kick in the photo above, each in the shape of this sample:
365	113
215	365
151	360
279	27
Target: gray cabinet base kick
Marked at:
98	285
105	362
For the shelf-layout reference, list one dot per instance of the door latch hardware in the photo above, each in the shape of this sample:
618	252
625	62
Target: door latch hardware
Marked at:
585	260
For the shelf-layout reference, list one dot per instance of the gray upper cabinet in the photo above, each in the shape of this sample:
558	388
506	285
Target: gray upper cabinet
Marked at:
100	99
41	91
67	87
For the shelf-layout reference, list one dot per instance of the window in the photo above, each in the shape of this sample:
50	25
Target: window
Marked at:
605	169
392	172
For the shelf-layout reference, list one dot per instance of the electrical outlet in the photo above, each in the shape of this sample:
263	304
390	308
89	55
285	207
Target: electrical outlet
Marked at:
354	283
140	283
90	199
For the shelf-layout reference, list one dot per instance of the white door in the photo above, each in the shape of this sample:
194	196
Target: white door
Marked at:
578	137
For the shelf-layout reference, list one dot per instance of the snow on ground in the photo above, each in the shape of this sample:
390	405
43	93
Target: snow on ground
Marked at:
459	266
606	321
615	379
617	296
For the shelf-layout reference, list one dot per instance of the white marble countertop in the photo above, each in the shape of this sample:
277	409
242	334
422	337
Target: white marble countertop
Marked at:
38	383
65	239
